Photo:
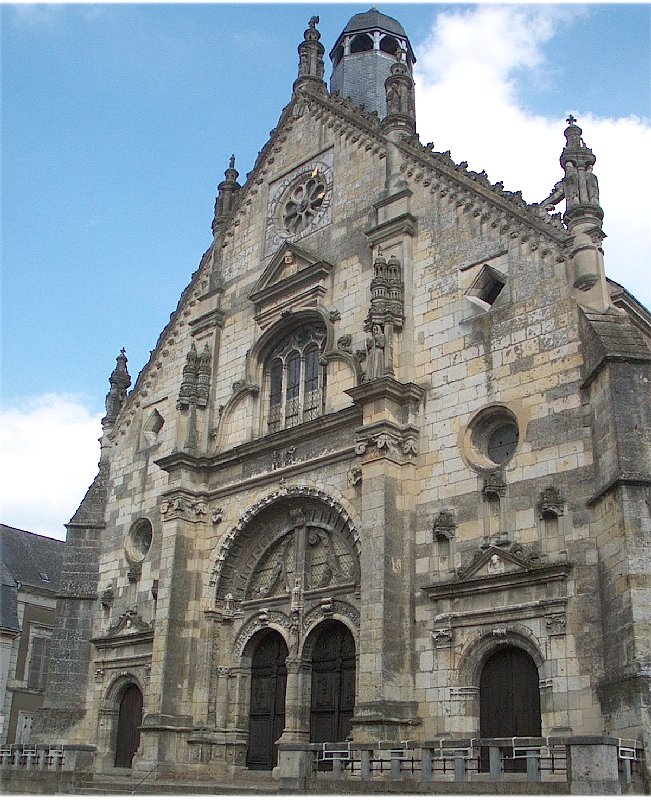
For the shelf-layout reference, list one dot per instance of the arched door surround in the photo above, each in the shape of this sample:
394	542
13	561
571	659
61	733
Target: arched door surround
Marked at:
267	702
129	722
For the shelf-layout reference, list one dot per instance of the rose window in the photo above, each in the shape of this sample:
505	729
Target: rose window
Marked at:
303	203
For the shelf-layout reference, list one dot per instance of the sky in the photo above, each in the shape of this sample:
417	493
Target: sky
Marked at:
117	125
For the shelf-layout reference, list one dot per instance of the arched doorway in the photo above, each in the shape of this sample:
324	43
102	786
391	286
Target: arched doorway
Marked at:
129	722
333	684
509	699
267	707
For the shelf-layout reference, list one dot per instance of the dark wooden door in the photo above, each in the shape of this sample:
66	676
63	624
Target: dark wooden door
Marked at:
267	709
333	685
509	698
129	722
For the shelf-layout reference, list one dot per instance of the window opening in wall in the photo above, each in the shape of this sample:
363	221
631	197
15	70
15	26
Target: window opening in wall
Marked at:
502	443
38	663
389	45
491	438
296	378
361	43
486	287
138	540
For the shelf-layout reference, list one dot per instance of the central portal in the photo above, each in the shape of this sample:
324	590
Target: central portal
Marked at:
267	710
333	684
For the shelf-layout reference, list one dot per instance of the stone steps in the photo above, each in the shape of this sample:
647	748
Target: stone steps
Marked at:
103	784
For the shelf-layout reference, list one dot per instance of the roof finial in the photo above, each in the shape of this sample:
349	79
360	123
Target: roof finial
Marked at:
119	382
571	119
310	53
226	192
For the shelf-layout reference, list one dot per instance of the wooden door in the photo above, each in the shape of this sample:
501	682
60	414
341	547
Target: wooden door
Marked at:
129	722
509	698
333	685
267	708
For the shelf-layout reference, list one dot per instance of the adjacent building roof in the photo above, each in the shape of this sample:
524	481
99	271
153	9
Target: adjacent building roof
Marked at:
26	559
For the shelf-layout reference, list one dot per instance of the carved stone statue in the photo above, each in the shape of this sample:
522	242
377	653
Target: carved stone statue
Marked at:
375	346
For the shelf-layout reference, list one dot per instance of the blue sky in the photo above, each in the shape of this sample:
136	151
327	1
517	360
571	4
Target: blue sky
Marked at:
118	122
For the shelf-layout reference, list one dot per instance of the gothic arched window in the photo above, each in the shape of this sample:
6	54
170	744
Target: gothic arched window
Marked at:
296	378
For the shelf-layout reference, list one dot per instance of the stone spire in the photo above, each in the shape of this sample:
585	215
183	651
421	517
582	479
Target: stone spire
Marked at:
581	188
188	390
399	88
119	381
583	215
310	64
226	194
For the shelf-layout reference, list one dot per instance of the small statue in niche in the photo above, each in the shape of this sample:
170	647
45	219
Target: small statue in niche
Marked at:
375	346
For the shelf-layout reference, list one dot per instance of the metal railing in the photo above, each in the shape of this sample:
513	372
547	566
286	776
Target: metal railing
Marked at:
32	756
531	760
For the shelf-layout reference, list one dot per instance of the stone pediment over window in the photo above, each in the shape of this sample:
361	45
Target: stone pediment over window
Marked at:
129	628
497	569
294	279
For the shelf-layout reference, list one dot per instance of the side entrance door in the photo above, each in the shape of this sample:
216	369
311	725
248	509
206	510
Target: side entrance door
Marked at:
267	709
509	698
129	722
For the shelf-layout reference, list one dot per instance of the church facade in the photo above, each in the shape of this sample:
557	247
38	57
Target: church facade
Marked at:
385	476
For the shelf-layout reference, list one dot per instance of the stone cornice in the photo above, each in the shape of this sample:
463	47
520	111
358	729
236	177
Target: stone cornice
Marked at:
623	479
386	388
522	212
266	445
494	583
125	640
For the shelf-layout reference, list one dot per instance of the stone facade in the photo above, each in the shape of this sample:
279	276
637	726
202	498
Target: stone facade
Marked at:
395	405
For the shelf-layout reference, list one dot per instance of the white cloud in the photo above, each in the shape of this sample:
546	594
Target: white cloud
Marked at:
467	102
49	454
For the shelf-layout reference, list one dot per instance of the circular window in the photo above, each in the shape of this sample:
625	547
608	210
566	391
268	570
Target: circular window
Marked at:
491	438
502	443
138	540
302	202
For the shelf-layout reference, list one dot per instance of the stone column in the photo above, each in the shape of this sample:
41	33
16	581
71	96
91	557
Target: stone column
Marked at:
168	720
386	445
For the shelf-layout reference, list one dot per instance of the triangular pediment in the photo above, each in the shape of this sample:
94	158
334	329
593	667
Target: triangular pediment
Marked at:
293	278
130	624
495	561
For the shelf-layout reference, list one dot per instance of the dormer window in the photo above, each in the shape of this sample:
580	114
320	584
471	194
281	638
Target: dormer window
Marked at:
296	378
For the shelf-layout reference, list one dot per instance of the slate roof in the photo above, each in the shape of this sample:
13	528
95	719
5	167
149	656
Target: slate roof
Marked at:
373	19
26	559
